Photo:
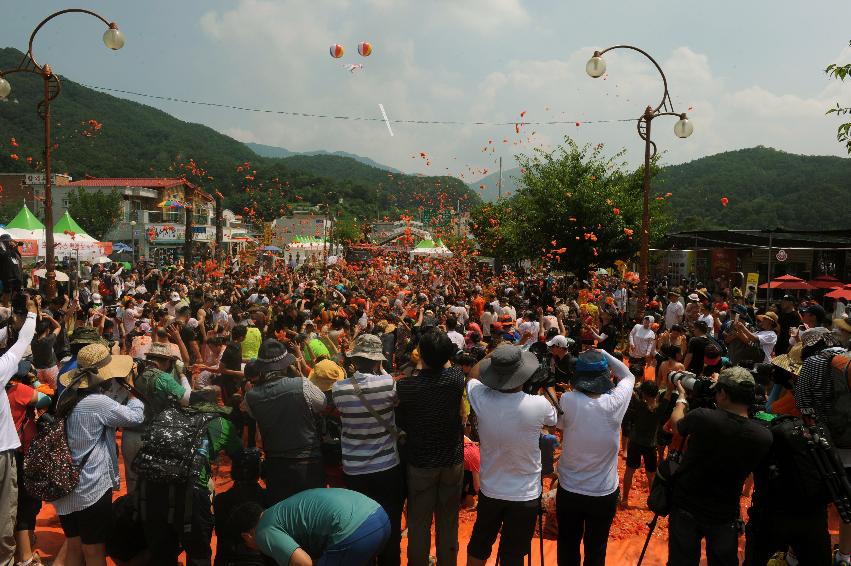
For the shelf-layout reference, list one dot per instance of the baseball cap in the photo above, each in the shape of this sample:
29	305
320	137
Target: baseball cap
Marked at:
97	299
558	341
735	377
787	297
175	297
815	310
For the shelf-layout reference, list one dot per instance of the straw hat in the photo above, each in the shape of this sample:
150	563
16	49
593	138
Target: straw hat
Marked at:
771	316
792	361
96	365
161	350
842	324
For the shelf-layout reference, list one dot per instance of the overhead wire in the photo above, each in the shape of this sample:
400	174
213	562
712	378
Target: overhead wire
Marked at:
353	118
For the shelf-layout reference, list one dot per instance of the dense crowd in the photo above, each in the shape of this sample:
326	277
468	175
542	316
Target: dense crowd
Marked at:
362	403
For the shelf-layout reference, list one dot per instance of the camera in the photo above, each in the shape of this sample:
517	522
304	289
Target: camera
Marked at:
699	386
111	311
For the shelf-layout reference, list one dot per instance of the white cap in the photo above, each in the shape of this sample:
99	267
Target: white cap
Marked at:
192	323
175	297
558	341
97	299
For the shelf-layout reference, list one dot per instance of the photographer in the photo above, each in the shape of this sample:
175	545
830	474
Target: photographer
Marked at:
724	447
510	454
588	468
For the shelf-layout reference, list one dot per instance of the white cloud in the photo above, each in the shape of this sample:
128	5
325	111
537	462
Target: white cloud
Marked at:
276	53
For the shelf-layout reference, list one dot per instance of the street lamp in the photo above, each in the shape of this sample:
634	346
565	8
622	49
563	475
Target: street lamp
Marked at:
113	39
596	68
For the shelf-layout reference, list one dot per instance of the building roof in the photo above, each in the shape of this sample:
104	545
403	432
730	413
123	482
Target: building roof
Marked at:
776	238
128	182
151	182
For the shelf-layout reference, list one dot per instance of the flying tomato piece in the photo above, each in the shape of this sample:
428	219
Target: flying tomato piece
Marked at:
337	51
365	48
724	201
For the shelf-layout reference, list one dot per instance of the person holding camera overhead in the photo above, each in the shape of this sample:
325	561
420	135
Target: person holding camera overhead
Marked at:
724	447
510	473
587	497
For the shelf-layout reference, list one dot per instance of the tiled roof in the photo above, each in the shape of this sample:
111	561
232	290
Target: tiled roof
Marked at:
127	182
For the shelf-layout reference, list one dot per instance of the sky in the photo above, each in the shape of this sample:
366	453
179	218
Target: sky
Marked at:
747	72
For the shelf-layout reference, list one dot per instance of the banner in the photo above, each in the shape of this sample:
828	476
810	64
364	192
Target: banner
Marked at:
752	281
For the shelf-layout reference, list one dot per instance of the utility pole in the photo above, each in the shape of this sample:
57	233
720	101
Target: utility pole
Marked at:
499	183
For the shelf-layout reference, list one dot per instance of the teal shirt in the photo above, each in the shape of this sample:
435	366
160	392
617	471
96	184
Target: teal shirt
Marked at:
312	520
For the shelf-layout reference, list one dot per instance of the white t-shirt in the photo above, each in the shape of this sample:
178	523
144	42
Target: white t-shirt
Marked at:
486	319
457	339
532	327
592	431
509	431
674	314
461	314
710	322
767	341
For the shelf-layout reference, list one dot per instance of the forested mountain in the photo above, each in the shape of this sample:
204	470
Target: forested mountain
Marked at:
765	188
272	151
100	135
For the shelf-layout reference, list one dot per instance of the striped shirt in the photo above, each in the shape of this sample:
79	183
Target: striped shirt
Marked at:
91	426
367	445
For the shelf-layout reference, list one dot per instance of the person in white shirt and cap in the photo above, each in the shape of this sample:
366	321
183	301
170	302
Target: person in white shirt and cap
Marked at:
173	304
642	344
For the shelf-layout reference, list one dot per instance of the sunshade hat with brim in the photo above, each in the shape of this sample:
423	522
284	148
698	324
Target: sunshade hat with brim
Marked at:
273	356
812	336
507	368
86	335
772	316
791	361
325	374
592	374
95	365
161	350
367	346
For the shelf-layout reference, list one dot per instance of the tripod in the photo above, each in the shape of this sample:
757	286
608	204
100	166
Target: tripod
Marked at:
652	527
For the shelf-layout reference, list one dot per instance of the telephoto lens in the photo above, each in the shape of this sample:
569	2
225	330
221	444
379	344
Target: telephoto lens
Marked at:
686	377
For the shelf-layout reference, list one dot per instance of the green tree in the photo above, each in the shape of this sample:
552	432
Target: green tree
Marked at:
9	209
843	132
96	212
347	230
575	208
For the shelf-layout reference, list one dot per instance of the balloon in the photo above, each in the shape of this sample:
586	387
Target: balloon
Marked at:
365	48
337	51
724	201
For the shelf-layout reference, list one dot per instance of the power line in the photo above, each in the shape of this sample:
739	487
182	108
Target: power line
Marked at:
354	118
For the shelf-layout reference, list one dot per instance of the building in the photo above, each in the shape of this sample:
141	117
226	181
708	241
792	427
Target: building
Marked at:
724	255
28	189
302	223
153	215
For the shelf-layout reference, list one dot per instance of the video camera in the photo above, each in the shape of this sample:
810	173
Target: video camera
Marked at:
699	386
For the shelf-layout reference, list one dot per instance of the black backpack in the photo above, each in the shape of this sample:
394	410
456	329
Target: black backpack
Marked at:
170	446
790	476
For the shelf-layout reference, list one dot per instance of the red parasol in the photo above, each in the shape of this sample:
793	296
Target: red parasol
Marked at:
826	282
843	293
789	282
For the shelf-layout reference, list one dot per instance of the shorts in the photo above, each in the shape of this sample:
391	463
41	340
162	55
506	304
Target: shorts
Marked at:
92	524
634	454
515	520
28	506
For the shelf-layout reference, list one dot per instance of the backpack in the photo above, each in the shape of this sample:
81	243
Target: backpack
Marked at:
838	422
169	452
49	470
793	478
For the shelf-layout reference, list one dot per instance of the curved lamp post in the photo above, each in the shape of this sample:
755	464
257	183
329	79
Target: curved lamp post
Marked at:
112	38
596	67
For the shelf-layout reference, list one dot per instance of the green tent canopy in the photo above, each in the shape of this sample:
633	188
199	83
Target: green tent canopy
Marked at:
25	220
427	245
66	223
